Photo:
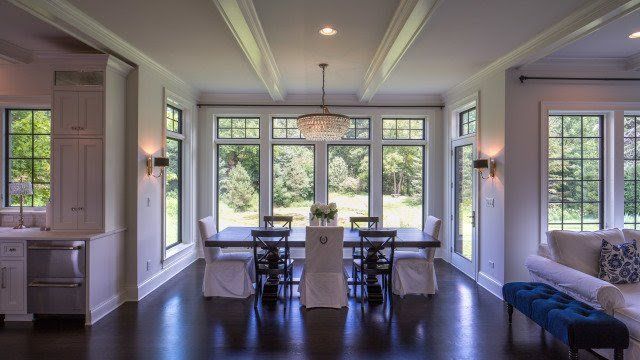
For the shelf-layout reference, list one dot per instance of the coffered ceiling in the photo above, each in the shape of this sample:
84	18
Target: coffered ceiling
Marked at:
400	47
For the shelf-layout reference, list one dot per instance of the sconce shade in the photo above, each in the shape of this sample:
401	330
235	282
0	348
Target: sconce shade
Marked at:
481	164
160	162
21	188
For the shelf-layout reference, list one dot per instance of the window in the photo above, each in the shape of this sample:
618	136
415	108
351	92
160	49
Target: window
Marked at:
631	178
403	129
28	154
402	185
467	122
286	128
575	186
293	180
238	128
173	178
348	180
358	129
238	193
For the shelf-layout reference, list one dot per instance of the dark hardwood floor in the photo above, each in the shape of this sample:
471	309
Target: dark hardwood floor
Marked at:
463	321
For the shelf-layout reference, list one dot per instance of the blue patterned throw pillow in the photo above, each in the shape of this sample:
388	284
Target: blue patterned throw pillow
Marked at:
619	264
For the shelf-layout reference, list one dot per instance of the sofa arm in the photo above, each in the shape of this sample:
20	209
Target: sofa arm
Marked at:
582	286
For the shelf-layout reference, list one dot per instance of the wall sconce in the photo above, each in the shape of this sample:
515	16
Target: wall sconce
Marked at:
482	164
160	162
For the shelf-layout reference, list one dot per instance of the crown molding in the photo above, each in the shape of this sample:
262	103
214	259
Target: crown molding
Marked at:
408	21
580	23
242	19
632	63
15	54
70	19
119	66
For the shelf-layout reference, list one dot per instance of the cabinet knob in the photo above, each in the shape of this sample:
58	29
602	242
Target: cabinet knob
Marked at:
74	209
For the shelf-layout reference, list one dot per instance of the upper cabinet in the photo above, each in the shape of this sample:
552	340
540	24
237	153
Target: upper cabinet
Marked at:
78	113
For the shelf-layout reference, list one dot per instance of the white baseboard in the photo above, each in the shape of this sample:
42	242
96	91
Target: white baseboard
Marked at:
170	270
492	285
106	307
18	317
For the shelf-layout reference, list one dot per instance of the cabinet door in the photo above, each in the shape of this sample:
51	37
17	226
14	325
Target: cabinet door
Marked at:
90	186
90	113
65	184
65	113
12	286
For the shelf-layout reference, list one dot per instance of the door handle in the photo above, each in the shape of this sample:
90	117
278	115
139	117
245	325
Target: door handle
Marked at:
473	218
53	247
3	286
56	285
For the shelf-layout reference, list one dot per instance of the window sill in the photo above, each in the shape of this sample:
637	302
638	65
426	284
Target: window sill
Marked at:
26	210
169	254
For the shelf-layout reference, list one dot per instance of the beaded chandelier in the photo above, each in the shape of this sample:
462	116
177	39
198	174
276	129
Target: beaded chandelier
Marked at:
324	126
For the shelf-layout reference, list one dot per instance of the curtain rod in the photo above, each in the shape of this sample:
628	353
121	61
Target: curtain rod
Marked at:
523	78
318	106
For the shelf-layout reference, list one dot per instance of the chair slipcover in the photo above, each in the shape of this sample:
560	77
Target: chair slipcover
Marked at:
413	271
225	275
323	282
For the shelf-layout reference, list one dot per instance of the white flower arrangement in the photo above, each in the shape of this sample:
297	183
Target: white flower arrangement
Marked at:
324	211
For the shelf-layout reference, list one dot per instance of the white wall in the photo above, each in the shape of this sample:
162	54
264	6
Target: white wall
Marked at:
522	208
25	81
145	131
490	140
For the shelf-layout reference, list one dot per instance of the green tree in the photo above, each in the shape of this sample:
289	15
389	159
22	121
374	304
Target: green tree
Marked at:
338	172
239	192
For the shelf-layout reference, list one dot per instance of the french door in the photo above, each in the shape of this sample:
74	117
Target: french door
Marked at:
463	198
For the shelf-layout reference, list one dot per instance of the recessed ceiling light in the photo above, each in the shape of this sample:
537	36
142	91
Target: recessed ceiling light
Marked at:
634	35
328	31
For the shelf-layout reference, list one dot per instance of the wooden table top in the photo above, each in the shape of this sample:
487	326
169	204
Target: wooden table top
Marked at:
237	236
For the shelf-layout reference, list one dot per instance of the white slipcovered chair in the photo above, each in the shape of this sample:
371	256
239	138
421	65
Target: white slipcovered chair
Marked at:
323	282
413	271
225	275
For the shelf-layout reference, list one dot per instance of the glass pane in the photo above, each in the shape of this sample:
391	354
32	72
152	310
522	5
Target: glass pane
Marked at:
463	206
631	171
20	170
41	171
402	192
42	122
348	180
293	181
41	194
555	126
20	146
20	122
173	193
41	146
238	185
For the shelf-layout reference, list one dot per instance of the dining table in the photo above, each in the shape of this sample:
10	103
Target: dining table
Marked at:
240	237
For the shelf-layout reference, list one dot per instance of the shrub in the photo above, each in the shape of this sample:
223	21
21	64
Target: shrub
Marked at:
239	190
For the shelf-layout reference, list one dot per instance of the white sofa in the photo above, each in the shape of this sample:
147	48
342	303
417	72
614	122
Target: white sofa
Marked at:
570	262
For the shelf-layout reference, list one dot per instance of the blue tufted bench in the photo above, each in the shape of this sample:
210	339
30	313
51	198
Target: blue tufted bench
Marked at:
575	323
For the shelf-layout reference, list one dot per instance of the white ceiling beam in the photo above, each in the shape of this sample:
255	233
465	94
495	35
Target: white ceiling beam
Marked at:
632	63
405	26
14	53
242	19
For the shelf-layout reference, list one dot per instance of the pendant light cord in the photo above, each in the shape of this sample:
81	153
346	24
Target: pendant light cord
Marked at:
324	107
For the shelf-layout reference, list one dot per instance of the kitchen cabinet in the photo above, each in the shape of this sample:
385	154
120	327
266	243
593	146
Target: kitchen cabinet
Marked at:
13	279
78	201
77	113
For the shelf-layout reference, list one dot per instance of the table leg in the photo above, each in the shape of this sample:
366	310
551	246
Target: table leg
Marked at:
271	285
374	289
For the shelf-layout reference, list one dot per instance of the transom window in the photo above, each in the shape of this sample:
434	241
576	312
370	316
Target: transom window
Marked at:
467	122
403	129
358	129
238	128
174	119
575	176
286	128
28	154
631	169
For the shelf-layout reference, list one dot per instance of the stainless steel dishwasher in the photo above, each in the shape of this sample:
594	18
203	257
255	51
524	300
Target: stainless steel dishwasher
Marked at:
56	277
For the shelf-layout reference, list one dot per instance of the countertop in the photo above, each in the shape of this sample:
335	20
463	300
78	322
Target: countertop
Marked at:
7	233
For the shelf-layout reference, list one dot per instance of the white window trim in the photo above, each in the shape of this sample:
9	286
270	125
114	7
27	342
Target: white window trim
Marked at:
613	173
189	115
375	143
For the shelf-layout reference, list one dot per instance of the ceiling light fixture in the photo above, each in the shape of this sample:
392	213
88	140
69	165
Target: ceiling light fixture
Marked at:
634	35
328	31
324	126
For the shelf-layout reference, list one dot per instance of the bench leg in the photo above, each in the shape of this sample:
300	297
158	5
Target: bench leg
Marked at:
573	354
510	312
618	354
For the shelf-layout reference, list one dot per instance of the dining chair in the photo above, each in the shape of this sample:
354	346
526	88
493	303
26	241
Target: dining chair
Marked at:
324	282
270	262
414	271
360	222
376	260
271	220
225	274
